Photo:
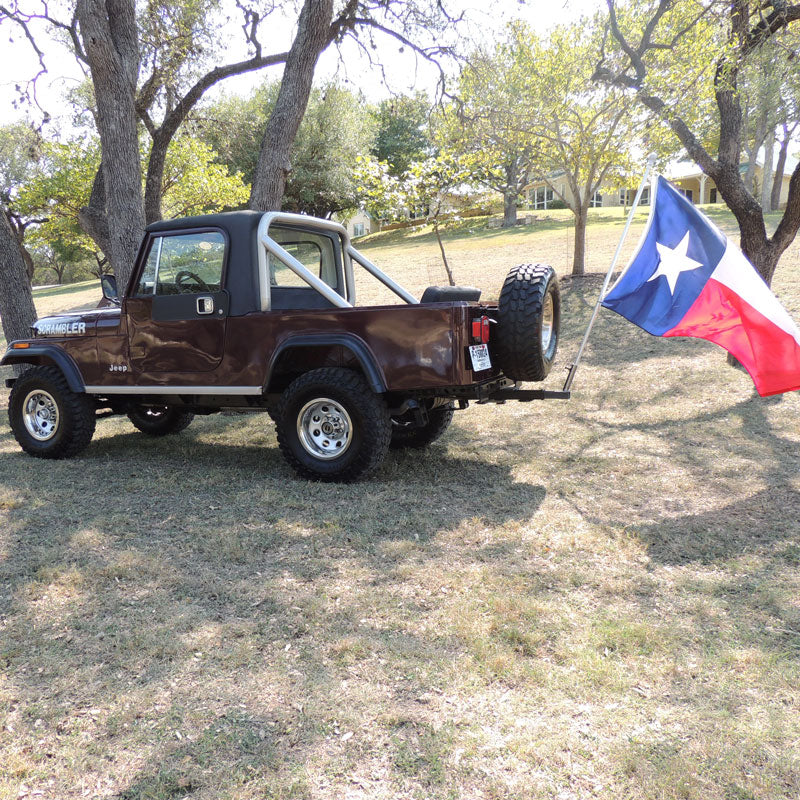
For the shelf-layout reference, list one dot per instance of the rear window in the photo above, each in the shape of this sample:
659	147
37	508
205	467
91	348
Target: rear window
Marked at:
315	252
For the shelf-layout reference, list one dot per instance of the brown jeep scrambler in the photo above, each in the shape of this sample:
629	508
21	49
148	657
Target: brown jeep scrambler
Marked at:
258	311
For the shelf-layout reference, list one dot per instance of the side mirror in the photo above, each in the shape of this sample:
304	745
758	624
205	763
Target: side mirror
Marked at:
108	283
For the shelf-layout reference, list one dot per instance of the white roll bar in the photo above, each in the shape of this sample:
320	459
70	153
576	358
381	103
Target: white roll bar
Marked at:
350	254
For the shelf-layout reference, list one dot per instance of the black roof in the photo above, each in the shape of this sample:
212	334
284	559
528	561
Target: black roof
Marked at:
225	220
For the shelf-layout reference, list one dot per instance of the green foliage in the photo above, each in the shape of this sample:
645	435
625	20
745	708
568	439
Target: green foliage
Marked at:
402	132
586	133
59	184
54	194
378	190
335	132
427	188
195	184
488	128
20	150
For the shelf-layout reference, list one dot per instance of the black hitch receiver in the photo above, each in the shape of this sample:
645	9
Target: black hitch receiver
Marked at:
526	395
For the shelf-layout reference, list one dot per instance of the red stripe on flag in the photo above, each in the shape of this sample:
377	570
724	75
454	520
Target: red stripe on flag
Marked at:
767	352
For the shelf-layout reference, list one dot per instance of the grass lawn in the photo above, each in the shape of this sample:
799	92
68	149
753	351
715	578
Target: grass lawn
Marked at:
591	599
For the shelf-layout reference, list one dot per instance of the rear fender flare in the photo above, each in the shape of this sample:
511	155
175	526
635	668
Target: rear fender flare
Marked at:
358	347
47	354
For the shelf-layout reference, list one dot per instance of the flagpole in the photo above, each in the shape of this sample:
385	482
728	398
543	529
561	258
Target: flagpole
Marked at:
573	368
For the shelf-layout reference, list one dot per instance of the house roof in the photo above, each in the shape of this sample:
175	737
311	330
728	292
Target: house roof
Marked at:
680	170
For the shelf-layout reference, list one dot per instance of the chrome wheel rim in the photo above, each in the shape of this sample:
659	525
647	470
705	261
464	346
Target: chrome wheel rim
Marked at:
40	415
324	428
548	319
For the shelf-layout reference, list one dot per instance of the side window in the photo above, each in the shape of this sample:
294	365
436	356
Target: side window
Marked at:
147	282
189	263
315	252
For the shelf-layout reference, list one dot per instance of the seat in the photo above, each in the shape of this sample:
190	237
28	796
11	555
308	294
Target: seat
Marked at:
449	294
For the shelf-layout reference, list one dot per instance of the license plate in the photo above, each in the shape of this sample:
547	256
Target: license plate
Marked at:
479	353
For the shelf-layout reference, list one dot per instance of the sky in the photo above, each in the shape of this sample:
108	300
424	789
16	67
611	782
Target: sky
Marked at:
402	72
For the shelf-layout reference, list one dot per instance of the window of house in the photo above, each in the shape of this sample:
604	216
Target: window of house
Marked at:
358	229
597	200
688	194
542	197
188	263
713	195
627	196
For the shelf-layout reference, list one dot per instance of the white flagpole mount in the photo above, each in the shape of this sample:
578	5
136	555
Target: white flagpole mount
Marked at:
573	367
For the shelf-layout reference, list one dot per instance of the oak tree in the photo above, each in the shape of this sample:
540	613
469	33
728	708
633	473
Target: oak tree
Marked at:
683	62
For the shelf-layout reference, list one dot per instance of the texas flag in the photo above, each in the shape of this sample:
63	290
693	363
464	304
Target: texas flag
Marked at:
688	279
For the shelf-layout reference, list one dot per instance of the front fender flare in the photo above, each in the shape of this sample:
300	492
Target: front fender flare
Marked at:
357	346
41	354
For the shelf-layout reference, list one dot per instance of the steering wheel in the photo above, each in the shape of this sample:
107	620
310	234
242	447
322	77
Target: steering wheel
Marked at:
184	275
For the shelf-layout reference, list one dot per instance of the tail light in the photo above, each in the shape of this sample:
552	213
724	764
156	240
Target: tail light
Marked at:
480	329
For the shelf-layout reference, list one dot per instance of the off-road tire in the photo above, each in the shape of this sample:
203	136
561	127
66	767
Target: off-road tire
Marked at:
517	344
74	425
353	406
159	420
407	434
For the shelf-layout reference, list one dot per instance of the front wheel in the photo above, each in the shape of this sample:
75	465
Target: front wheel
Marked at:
47	418
159	420
331	426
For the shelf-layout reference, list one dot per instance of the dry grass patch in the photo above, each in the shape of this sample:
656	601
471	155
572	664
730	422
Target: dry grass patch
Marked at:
593	599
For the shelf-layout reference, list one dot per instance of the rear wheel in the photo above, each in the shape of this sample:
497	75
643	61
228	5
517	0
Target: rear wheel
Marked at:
331	426
406	433
526	340
47	418
159	420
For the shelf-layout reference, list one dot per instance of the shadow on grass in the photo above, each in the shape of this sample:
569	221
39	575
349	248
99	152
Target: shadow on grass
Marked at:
122	566
759	524
765	523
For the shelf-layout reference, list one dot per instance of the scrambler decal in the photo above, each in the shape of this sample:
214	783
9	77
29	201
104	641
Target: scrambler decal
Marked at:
45	328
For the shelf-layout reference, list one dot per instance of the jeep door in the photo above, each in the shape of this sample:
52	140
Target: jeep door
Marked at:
178	310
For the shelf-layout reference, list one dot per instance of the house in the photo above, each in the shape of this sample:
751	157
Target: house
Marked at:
685	175
360	223
699	188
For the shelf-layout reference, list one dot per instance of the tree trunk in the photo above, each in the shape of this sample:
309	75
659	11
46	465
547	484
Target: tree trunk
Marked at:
510	195
16	299
109	34
274	165
766	174
752	153
510	208
777	180
579	255
447	269
155	178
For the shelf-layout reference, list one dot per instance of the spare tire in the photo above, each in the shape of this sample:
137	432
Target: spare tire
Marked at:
526	338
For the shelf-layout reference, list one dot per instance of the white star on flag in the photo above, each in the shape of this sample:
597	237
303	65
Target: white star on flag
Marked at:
673	262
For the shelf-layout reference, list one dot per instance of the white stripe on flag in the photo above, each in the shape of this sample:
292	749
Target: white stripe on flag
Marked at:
739	275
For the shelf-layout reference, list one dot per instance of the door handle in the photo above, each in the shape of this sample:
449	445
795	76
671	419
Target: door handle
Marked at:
205	305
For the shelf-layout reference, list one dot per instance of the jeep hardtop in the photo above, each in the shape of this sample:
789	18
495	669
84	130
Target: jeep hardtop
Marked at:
258	311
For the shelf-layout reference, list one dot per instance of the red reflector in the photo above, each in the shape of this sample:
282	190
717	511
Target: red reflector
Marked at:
480	329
